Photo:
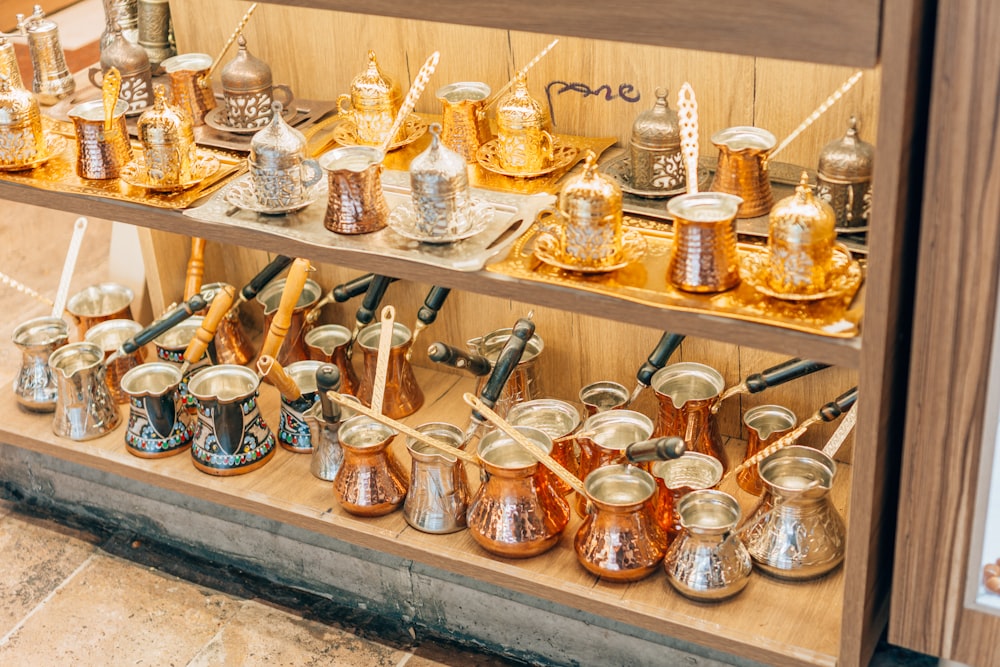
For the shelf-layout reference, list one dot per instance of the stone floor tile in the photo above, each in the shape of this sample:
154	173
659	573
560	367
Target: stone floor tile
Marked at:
263	635
114	612
38	556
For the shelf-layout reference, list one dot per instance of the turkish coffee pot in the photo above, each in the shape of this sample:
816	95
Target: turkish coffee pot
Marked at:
52	79
190	89
271	298
438	498
98	303
371	481
560	421
465	124
742	168
324	419
606	436
35	385
231	436
158	424
403	395
516	512
297	386
84	406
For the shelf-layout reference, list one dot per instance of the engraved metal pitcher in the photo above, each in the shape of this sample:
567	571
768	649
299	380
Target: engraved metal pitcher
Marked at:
704	257
465	125
158	424
438	497
523	384
516	512
100	153
189	88
35	385
84	408
371	481
293	347
329	343
686	393
796	532
619	539
708	561
356	203
403	395
742	168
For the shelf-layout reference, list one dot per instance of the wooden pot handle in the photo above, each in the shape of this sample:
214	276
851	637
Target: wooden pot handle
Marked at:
270	369
195	268
282	321
203	336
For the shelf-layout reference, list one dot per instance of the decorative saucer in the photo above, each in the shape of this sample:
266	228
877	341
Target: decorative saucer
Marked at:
54	145
346	132
846	278
563	156
620	172
403	221
134	173
548	249
218	119
243	194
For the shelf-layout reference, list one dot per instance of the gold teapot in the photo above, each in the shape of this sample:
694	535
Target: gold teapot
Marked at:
375	100
801	238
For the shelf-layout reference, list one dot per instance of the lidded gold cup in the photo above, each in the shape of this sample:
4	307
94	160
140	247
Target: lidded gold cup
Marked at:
800	240
167	138
22	141
375	100
654	150
844	178
524	147
588	220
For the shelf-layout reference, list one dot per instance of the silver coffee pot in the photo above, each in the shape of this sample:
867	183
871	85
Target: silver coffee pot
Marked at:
53	80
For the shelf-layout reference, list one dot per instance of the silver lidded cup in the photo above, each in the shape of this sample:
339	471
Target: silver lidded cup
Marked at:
440	189
654	149
279	169
844	179
132	63
248	89
52	81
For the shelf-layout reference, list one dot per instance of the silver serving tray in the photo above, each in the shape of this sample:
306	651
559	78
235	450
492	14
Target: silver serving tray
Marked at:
513	216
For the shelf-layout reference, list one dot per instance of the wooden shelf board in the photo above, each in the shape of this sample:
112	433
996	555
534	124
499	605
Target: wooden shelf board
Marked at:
774	622
837	351
848	35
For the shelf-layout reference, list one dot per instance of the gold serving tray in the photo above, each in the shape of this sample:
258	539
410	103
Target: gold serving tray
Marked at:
59	174
645	281
321	140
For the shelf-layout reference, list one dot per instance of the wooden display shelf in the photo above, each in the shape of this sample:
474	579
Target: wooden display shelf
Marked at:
774	622
838	351
846	35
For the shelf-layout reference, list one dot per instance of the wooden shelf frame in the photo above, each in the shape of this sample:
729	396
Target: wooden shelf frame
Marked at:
847	34
897	41
774	622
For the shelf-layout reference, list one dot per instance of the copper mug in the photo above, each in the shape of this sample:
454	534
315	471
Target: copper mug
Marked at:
465	125
686	393
606	436
100	153
704	257
109	336
189	88
293	348
438	497
371	481
356	203
523	384
675	478
742	168
329	343
231	436
403	395
35	386
560	421
765	424
516	512
158	424
97	303
619	539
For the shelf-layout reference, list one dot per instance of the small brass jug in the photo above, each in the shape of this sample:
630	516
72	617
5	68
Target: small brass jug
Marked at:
189	88
765	424
100	154
742	168
704	257
466	127
356	203
686	392
560	421
329	343
403	395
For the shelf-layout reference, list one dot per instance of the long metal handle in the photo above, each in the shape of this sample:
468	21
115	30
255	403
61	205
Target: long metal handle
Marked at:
657	449
839	405
782	373
164	324
443	353
352	288
264	277
657	359
507	361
